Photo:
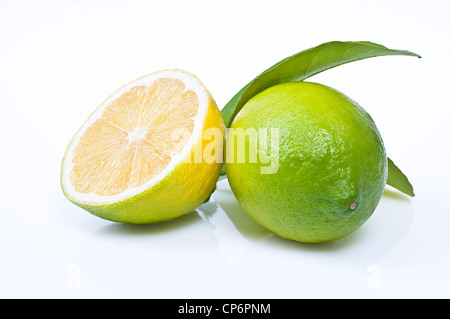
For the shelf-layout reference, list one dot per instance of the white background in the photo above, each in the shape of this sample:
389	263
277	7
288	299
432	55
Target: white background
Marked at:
60	59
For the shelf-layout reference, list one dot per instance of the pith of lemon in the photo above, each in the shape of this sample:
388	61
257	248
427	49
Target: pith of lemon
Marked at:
332	163
140	157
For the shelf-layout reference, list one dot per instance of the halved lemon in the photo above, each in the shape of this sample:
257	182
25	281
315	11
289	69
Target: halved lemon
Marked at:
143	155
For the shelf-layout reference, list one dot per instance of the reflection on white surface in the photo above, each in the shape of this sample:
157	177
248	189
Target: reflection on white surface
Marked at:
375	239
232	243
217	248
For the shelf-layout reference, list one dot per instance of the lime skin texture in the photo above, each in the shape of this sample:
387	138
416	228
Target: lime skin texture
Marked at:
332	166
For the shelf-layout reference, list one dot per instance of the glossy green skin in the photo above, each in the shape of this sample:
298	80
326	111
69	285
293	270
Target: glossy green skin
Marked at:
331	156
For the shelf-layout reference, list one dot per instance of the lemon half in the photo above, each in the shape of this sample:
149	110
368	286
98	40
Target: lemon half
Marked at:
135	159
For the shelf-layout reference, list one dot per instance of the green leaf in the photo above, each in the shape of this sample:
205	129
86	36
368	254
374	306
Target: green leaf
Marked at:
398	180
310	62
304	64
222	172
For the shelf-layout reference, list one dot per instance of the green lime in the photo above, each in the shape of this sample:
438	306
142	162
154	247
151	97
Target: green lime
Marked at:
320	165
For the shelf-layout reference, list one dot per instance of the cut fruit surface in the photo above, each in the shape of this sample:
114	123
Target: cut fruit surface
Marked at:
135	138
138	137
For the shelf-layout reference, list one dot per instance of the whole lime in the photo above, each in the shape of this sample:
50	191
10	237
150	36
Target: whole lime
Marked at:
317	168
